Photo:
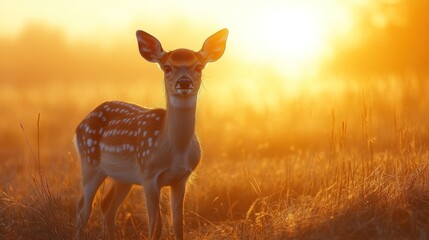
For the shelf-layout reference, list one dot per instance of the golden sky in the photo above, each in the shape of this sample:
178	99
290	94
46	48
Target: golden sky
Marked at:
293	41
290	35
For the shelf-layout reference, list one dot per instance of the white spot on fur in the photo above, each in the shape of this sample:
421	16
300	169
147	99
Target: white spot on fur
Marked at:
89	142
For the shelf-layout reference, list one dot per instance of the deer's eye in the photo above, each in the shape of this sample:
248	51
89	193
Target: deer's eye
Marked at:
198	68
167	69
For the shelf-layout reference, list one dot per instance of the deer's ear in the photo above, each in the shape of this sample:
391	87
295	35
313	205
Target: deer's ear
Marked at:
214	46
150	48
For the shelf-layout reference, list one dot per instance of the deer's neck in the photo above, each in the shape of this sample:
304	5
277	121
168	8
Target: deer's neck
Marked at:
180	121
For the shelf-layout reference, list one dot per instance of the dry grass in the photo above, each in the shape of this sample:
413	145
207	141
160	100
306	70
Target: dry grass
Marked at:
352	167
299	197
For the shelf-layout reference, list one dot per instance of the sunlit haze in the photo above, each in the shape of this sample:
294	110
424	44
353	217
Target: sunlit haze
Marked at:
278	52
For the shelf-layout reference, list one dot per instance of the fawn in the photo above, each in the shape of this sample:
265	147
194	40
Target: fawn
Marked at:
150	147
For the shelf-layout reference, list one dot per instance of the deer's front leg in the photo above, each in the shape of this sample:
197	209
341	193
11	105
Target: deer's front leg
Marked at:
177	195
152	203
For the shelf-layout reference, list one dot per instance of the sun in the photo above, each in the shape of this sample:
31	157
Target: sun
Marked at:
297	34
299	42
292	39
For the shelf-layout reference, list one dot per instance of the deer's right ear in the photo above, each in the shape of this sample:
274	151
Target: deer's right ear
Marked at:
214	46
150	48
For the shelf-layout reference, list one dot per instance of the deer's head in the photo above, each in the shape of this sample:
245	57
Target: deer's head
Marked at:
182	67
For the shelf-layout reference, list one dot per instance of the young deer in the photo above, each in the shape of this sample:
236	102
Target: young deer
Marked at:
150	147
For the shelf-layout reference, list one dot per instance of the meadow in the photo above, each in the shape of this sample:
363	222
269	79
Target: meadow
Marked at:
349	163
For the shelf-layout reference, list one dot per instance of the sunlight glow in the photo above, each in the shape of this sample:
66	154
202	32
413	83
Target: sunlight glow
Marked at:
293	38
295	34
289	37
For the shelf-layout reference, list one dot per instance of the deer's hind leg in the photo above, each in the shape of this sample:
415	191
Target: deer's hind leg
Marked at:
91	181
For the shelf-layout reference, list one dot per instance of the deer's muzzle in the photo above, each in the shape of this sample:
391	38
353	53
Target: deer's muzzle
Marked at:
184	86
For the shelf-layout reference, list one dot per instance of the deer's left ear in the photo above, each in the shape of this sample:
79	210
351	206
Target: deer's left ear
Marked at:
214	46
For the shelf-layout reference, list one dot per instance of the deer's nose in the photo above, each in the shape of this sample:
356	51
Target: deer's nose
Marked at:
184	86
184	83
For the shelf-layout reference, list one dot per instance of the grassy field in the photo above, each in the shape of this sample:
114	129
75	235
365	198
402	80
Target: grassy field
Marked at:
345	164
